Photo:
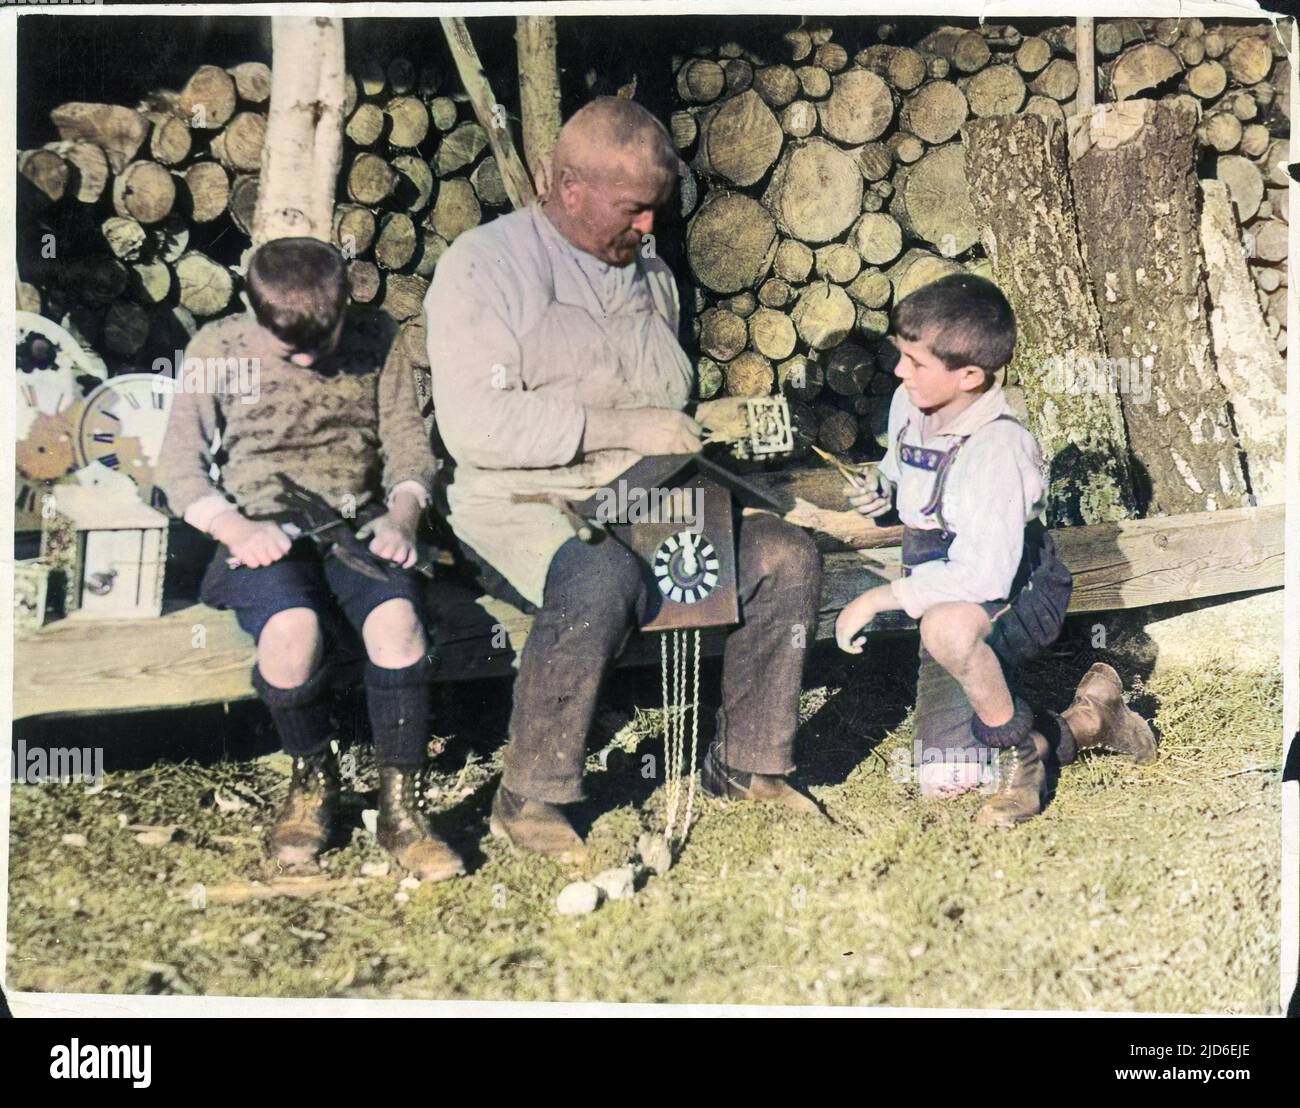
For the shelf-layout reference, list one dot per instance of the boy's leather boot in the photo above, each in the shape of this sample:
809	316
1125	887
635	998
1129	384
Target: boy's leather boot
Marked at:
1022	783
719	779
1099	719
535	825
305	821
403	828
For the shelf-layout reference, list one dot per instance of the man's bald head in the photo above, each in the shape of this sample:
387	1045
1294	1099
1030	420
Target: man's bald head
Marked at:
612	167
613	136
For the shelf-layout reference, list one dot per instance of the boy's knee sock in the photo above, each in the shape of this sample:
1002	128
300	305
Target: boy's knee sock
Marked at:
1056	730
301	714
1011	733
401	705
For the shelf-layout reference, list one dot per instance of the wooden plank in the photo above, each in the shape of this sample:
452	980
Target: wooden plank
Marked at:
488	111
199	656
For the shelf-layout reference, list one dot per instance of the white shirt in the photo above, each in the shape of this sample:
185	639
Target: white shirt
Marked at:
994	488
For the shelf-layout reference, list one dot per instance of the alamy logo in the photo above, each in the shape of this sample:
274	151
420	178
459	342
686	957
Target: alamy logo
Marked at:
62	764
215	376
1076	374
85	1060
624	504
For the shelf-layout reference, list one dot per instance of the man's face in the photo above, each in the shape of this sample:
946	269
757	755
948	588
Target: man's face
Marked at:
612	207
930	384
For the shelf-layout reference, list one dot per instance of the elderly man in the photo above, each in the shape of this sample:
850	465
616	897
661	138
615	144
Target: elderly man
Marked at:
556	365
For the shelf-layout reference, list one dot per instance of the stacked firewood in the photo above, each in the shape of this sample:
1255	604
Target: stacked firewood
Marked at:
826	184
135	223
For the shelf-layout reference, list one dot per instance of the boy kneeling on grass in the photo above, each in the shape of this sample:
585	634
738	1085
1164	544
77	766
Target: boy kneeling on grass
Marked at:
334	411
980	571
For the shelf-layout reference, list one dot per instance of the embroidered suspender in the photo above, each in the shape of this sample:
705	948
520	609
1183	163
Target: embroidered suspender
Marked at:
940	462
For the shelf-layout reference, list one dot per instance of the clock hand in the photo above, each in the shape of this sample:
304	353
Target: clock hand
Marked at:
690	564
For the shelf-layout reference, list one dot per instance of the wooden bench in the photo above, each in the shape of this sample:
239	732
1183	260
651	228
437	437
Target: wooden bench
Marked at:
197	655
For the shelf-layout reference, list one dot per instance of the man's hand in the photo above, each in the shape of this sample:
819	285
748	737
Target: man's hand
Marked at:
253	543
858	613
644	430
872	496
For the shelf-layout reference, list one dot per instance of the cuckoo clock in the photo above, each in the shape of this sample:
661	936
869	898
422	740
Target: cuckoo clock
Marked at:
677	513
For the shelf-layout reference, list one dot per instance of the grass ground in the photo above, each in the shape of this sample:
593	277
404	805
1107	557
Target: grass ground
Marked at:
1139	889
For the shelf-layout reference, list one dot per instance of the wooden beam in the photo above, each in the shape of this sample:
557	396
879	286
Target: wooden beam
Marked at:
303	148
539	93
199	656
1085	55
489	112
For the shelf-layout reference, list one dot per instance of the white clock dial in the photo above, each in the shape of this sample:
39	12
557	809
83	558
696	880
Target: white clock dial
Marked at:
686	567
123	423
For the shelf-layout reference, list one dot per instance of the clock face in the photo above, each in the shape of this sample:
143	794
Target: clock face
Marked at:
685	567
53	376
122	425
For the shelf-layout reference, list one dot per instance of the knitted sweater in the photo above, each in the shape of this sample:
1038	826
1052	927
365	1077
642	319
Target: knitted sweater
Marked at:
347	428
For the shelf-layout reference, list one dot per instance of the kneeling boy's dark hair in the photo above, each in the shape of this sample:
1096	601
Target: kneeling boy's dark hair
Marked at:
964	319
298	288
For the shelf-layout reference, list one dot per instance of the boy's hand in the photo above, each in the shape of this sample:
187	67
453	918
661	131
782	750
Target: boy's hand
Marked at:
858	613
872	495
252	543
392	537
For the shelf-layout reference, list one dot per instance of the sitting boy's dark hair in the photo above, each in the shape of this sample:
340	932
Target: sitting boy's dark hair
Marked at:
964	319
298	288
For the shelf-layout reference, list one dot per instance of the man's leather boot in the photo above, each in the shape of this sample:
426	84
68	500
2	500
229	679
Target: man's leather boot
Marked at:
1099	719
305	821
535	825
403	828
719	779
1021	784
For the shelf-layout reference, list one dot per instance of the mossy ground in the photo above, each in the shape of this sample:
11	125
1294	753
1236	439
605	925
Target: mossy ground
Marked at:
1139	889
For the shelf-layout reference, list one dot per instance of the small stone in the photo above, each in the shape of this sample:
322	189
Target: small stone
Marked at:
73	839
916	951
253	938
617	884
374	869
577	899
227	803
402	898
158	836
370	819
122	819
409	883
74	902
655	853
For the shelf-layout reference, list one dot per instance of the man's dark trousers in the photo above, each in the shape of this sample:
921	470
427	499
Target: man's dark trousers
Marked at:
595	597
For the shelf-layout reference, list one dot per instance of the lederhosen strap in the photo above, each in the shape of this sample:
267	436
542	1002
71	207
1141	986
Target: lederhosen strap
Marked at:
924	545
940	461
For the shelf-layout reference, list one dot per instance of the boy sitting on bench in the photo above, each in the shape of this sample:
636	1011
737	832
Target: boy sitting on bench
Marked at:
980	571
335	413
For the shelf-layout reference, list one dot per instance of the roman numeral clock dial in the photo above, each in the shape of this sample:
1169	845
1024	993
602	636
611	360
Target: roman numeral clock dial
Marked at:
122	426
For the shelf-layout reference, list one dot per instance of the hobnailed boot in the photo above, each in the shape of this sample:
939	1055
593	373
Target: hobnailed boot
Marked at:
1022	782
1099	719
535	825
305	821
720	780
403	828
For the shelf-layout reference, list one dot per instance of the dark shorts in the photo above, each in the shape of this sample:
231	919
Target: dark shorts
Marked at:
302	579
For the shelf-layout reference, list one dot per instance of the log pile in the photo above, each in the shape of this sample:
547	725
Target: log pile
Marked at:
135	222
827	180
